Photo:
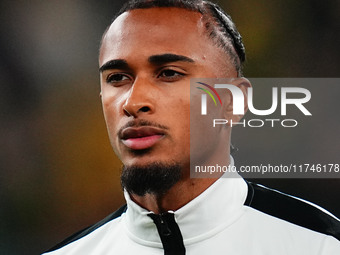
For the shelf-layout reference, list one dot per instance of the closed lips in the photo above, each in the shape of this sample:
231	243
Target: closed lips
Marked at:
141	137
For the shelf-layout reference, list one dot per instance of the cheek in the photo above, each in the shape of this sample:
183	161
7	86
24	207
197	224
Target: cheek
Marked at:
177	114
112	106
184	128
204	137
111	109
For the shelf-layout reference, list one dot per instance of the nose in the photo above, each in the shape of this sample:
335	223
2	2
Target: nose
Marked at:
140	100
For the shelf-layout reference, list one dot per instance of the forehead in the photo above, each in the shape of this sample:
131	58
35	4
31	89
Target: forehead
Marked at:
155	31
160	16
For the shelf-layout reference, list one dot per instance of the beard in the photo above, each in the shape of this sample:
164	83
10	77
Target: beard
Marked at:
155	178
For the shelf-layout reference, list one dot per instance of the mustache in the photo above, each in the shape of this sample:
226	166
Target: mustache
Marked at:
140	123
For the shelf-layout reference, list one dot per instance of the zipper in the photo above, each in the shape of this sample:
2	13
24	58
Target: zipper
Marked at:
169	233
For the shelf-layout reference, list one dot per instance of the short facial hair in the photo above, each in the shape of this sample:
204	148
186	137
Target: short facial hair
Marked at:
155	178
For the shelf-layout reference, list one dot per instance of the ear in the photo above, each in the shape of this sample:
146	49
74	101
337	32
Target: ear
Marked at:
242	85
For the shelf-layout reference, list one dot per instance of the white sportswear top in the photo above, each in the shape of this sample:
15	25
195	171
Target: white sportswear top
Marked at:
216	222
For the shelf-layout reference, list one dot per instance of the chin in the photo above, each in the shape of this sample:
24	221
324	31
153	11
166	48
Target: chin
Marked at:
155	177
144	157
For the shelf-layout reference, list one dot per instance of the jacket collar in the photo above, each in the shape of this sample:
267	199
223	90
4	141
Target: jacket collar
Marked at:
206	215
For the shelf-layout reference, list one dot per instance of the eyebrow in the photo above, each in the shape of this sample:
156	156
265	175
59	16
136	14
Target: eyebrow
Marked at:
114	64
168	58
155	60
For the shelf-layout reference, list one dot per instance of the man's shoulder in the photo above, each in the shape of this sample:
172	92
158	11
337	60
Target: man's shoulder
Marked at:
84	232
292	209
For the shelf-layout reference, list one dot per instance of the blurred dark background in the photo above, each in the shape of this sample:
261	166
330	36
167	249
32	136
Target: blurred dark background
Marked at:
58	173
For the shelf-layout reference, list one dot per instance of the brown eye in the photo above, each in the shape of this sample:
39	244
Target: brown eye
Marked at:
170	75
114	78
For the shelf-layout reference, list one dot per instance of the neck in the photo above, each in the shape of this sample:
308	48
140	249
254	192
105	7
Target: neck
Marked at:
177	196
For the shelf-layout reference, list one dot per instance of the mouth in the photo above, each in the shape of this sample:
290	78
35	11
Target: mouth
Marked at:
142	137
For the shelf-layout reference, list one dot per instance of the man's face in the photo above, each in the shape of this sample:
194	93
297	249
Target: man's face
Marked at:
147	59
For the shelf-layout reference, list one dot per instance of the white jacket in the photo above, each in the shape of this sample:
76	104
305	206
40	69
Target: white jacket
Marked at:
216	222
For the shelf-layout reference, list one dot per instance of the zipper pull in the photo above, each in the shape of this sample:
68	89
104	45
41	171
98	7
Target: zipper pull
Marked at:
165	230
161	223
169	233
